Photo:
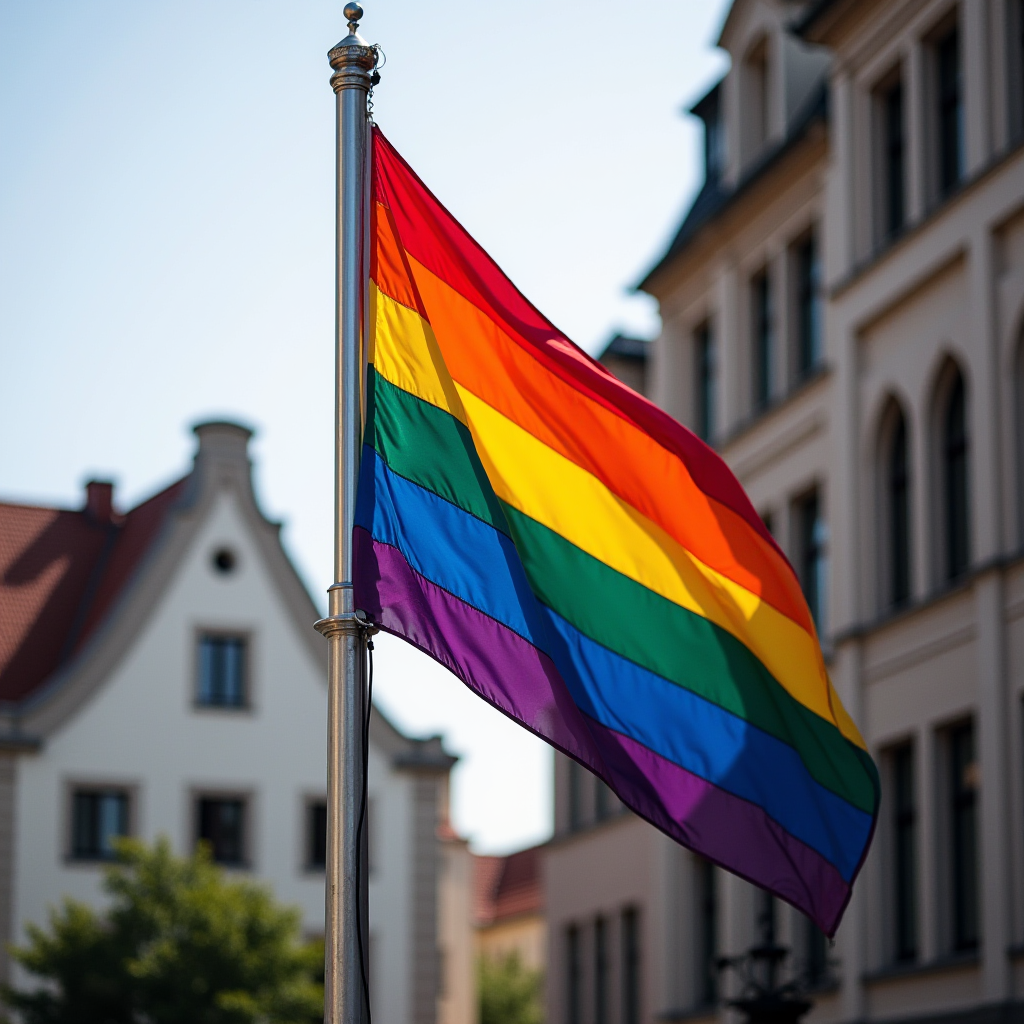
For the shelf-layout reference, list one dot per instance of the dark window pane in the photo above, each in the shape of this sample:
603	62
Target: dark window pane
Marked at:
317	825
956	482
813	556
222	825
573	976
815	954
600	971
895	158
707	936
762	341
899	515
222	671
99	817
963	787
809	309
951	111
602	800
904	826
766	915
631	966
707	370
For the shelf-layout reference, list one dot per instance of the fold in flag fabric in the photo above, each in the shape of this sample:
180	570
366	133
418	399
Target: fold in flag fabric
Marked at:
590	568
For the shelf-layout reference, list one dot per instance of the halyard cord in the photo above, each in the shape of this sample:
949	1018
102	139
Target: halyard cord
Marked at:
359	833
374	80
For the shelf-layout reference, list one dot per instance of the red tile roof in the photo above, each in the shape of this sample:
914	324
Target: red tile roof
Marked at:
60	573
507	887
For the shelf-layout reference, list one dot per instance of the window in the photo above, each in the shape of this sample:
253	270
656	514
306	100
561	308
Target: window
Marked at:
706	376
756	107
904	853
575	785
955	482
707	933
963	818
815	954
222	668
98	818
222	826
1015	33
808	307
762	340
813	555
631	966
602	800
766	914
316	835
894	156
949	79
600	971
573	976
898	486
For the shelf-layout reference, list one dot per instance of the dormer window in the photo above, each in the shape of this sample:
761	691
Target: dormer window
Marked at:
756	98
708	109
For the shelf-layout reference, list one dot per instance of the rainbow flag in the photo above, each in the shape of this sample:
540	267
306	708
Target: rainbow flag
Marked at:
593	570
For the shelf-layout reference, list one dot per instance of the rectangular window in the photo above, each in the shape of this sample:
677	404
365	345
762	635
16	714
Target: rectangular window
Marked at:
765	917
575	782
98	818
813	556
904	850
631	966
602	800
316	836
894	157
1015	32
706	376
707	933
949	80
600	971
761	295
815	954
222	671
573	976
221	825
963	819
809	321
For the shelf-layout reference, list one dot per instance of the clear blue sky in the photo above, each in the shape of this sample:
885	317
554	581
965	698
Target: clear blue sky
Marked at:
166	245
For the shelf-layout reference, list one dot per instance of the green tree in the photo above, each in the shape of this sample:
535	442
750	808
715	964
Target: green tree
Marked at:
178	944
509	993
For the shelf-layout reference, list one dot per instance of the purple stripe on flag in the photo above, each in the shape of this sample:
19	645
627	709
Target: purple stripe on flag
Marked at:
511	674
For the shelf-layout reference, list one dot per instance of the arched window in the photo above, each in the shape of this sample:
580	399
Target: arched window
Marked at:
955	481
898	512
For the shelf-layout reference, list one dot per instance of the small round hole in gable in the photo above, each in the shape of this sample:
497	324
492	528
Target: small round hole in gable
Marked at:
224	560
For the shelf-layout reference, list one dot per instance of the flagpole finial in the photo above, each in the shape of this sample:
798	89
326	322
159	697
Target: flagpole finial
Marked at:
353	58
353	12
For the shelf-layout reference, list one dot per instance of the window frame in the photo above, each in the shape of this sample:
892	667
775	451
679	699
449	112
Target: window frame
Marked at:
705	351
904	868
706	932
310	803
631	949
963	805
76	785
573	974
808	305
954	491
247	797
762	340
813	551
891	203
246	637
945	99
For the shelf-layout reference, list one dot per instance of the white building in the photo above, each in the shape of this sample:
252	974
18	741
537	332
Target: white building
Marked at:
159	675
842	314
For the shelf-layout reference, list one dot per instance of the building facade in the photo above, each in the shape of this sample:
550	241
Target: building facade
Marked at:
159	675
842	315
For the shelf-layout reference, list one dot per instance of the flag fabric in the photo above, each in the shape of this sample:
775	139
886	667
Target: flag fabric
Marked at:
589	567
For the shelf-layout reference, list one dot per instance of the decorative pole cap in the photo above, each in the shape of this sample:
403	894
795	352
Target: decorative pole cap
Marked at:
353	58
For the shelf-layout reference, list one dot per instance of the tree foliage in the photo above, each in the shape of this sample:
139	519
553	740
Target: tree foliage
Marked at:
509	993
178	943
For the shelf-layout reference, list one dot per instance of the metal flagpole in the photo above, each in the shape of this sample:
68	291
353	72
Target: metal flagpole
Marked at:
346	630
